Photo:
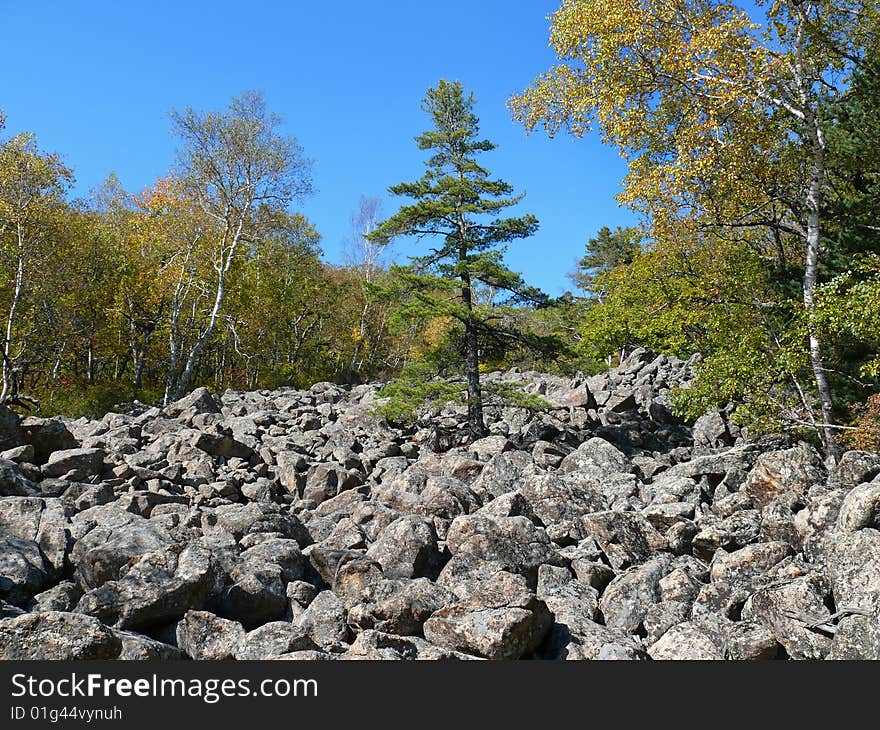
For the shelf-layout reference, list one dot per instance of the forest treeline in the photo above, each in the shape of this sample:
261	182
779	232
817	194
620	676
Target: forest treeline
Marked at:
753	146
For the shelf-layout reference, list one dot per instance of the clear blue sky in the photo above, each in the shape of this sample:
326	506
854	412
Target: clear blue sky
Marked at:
95	80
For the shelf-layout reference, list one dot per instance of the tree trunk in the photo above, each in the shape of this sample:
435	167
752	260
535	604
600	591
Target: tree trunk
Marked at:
186	376
8	374
814	202
472	363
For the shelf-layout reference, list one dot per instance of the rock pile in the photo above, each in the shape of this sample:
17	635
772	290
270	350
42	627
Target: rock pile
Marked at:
294	525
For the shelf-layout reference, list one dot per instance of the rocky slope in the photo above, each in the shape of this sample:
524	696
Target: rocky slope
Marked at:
293	525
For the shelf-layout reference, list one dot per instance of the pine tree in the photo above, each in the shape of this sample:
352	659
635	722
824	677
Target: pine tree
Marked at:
605	251
454	202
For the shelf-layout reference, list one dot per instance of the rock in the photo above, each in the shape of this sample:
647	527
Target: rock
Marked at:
787	611
626	538
46	436
19	454
750	640
502	474
856	467
407	548
401	608
136	647
627	598
785	476
661	617
575	610
56	635
731	533
274	639
160	587
23	572
13	482
202	635
375	645
256	591
853	567
501	619
43	521
61	597
113	539
324	621
199	401
83	462
710	430
513	542
325	481
11	432
246	519
691	641
748	562
595	458
861	508
560	505
679	586
221	444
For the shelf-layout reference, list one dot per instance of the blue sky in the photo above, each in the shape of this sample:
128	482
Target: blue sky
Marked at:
96	80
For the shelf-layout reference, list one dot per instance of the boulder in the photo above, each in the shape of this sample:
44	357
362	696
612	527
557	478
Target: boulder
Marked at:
501	619
202	635
515	543
83	462
159	588
407	548
56	635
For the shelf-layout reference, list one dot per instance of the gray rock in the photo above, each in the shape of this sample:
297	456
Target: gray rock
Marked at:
137	647
747	563
325	621
627	598
13	483
688	641
46	436
513	542
376	645
856	467
407	548
110	540
501	619
596	458
400	607
710	430
860	508
83	462
561	504
201	635
11	433
199	401
56	636
23	573
626	538
274	639
785	476
787	611
159	588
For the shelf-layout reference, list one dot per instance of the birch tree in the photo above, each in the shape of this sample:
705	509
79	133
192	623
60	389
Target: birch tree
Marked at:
31	188
234	163
718	114
364	255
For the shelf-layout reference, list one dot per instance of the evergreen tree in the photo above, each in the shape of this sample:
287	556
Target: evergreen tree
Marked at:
454	202
607	250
